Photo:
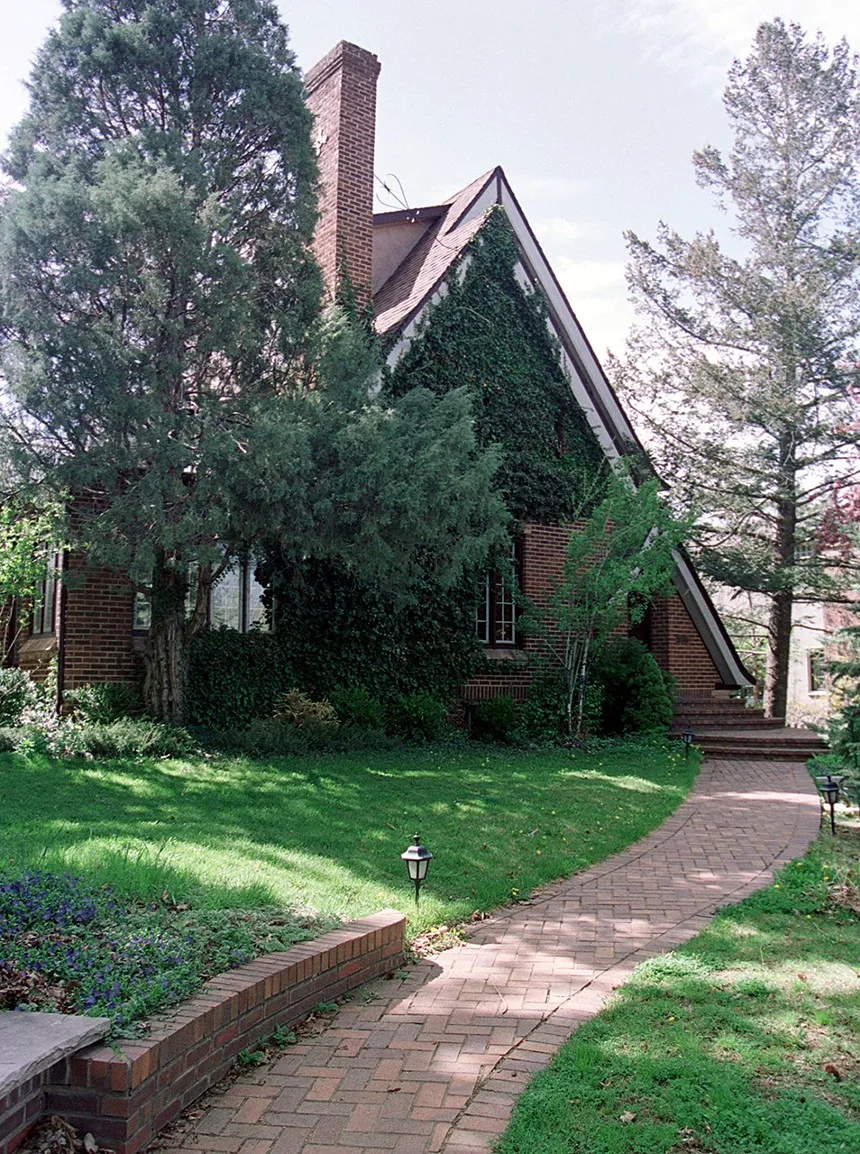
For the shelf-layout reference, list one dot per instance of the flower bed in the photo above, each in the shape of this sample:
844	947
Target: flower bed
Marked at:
69	947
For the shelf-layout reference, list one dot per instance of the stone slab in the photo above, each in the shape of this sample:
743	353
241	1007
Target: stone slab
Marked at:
31	1043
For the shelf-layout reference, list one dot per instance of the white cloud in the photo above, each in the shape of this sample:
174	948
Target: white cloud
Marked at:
562	230
699	38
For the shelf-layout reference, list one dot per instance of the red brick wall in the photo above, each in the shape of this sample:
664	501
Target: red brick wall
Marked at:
125	1094
678	648
675	642
341	94
19	1110
98	638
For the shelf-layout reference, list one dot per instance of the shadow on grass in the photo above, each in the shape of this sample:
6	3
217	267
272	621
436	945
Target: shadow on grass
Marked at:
235	831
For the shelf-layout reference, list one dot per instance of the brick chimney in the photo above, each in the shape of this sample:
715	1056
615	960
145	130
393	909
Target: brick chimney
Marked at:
341	94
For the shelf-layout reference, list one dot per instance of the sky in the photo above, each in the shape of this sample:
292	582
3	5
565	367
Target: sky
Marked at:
593	108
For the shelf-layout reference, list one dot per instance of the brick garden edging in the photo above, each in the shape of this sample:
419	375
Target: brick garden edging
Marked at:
124	1096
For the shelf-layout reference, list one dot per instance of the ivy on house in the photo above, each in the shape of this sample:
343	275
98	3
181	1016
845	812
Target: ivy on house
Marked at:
489	334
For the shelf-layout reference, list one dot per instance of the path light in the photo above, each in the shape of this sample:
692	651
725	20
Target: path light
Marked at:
688	736
417	860
830	792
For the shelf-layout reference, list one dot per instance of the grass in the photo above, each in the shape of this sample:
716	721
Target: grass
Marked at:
746	1039
326	831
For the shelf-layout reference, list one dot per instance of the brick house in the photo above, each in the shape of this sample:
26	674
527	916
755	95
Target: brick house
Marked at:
402	261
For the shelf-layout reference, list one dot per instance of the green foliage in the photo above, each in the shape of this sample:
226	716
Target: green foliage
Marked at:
343	631
844	724
355	706
160	321
495	720
234	677
103	703
268	737
16	692
489	335
615	564
636	698
134	737
419	717
297	709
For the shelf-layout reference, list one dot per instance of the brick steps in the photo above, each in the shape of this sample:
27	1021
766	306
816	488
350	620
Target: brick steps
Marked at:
780	744
705	714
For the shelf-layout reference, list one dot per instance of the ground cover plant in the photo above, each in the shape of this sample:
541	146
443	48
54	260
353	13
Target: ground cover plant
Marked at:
746	1039
70	946
326	831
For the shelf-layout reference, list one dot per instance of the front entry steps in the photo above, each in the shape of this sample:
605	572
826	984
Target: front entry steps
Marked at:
720	713
781	744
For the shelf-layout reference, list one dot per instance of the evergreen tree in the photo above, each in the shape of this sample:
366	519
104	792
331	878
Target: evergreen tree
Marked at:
158	325
743	366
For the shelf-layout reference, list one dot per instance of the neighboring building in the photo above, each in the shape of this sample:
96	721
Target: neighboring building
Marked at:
814	643
404	261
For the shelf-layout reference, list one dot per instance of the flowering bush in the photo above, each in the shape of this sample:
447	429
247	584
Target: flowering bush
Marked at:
70	947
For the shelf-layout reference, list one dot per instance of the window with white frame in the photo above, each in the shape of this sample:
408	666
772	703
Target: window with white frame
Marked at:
235	602
496	610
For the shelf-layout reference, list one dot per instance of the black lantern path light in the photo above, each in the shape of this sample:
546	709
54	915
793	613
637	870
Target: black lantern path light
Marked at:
688	736
417	860
829	790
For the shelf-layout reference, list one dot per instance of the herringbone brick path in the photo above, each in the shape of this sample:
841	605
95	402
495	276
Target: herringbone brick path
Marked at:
436	1062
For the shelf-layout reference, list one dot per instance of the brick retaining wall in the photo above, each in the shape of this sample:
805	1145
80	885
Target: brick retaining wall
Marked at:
124	1096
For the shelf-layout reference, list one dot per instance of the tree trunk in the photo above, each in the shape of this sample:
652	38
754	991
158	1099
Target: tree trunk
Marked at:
779	644
165	658
782	601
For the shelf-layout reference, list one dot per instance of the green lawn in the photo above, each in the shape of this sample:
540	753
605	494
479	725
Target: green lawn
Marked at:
327	831
744	1041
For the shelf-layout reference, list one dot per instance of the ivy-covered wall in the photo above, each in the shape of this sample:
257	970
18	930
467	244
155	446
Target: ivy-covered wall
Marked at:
489	335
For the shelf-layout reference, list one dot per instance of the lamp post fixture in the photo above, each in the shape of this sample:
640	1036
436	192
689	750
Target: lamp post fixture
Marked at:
829	790
417	860
688	736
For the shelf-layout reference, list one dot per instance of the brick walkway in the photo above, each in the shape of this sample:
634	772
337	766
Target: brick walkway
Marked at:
435	1062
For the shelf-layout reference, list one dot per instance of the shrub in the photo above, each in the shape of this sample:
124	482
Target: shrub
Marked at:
637	698
135	737
273	737
234	677
543	714
103	703
419	717
356	706
16	693
296	708
494	720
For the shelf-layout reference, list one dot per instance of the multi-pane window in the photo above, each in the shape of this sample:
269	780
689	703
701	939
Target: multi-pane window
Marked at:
45	603
235	602
815	665
496	610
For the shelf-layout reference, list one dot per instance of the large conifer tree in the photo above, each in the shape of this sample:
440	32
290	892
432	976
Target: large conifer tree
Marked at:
158	321
741	368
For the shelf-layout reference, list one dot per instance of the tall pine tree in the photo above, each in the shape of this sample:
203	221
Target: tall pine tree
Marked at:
742	367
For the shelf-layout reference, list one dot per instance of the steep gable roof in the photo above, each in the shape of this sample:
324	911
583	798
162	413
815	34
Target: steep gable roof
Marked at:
433	239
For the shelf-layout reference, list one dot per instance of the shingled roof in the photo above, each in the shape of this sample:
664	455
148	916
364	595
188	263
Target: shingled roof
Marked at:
444	231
